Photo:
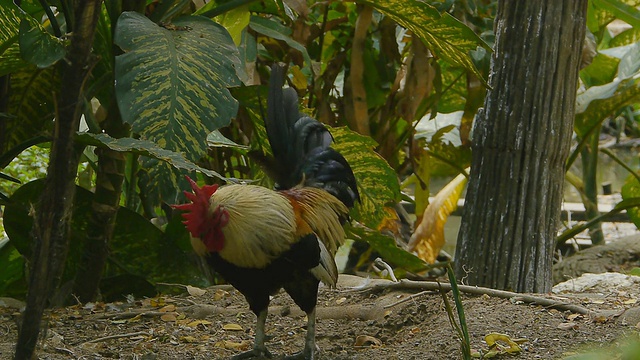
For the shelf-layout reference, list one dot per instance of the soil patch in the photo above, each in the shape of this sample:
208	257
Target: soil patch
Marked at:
217	324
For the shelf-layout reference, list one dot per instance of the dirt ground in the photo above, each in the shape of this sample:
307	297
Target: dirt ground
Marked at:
216	323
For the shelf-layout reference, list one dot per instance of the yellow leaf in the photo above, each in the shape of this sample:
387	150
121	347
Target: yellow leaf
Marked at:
299	80
188	339
195	323
219	294
428	238
492	340
168	317
244	345
232	327
167	308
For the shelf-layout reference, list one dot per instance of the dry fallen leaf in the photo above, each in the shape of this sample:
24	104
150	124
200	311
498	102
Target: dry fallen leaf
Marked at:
195	323
219	294
195	291
568	326
231	345
366	340
232	327
600	319
188	339
341	300
168	317
573	317
167	308
157	302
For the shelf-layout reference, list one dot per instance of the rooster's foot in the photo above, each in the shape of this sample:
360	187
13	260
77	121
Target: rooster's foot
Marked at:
306	354
255	353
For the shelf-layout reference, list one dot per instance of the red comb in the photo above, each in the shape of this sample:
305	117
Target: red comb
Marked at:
196	210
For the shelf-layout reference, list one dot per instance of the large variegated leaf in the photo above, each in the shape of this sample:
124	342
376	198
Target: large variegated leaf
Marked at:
10	59
387	248
31	105
171	82
377	182
171	86
428	238
602	12
37	46
145	148
445	35
597	102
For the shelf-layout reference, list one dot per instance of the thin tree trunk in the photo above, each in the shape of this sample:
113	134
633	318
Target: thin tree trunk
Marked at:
54	211
520	145
589	158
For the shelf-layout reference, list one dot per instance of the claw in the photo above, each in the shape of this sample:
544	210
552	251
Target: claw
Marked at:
302	355
255	353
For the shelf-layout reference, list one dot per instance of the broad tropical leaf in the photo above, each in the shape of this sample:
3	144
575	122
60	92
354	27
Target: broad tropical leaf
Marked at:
138	248
601	12
377	182
445	35
631	189
428	238
387	248
274	29
10	60
597	102
171	82
13	282
171	85
145	148
31	105
37	46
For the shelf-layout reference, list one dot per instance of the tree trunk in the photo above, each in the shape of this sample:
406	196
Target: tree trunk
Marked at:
54	211
520	144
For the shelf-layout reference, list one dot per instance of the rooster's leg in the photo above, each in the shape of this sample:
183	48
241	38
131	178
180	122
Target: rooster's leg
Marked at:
310	340
259	349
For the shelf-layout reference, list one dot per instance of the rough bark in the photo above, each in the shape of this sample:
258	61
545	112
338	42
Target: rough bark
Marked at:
520	145
54	210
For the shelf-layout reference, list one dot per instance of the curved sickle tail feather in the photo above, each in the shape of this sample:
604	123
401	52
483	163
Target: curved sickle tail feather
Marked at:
301	147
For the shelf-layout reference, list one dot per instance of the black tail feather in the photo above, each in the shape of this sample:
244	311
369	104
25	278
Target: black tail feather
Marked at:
301	147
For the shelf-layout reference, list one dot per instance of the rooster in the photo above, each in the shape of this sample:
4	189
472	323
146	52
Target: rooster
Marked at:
261	240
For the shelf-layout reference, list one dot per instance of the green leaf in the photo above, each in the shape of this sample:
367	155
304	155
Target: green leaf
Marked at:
138	248
602	70
31	105
631	189
445	35
597	102
171	83
10	59
13	281
377	182
145	148
387	248
274	29
216	139
623	10
235	21
39	47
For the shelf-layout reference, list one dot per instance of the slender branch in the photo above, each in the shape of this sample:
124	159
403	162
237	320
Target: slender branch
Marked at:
476	290
118	336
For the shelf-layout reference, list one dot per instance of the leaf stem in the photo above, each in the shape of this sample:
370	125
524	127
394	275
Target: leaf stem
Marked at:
52	18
